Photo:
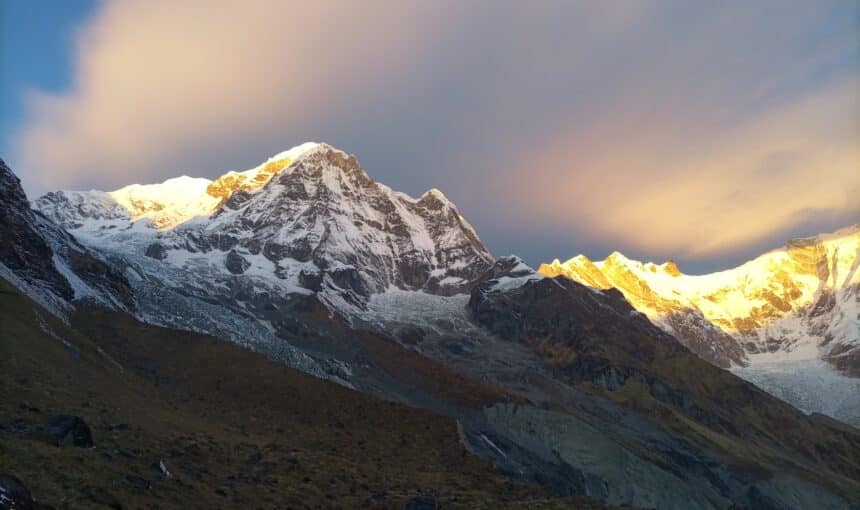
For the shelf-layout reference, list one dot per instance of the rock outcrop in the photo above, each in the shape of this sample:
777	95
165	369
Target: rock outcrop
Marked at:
50	263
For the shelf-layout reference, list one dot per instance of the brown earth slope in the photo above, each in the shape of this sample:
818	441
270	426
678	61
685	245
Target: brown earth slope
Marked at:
234	429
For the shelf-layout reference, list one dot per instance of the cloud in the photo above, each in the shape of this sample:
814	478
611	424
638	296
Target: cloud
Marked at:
667	129
161	85
670	189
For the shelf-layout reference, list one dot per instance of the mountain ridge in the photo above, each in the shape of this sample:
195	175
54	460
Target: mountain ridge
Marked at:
792	306
832	259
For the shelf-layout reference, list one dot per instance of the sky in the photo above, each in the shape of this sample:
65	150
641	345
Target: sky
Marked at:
703	132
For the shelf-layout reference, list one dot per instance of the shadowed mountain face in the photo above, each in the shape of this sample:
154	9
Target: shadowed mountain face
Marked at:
41	256
557	383
24	249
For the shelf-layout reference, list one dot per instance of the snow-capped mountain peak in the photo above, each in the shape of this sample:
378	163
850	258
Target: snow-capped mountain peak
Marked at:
255	178
799	300
173	202
308	221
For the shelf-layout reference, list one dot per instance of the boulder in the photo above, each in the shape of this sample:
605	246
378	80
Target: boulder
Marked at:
235	263
63	425
156	251
15	496
425	502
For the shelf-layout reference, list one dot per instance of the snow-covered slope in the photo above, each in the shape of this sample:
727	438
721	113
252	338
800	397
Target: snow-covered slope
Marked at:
307	222
796	305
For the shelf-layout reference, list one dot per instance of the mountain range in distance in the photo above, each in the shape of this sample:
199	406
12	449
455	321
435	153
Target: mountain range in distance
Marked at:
616	380
789	320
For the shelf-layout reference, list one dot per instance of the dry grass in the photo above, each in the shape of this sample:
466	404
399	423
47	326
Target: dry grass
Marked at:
236	430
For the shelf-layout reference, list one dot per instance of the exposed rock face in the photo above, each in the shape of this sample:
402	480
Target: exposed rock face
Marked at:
15	496
708	341
235	263
155	251
23	248
231	183
53	266
64	425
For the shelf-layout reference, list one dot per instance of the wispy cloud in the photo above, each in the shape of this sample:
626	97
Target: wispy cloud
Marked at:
669	187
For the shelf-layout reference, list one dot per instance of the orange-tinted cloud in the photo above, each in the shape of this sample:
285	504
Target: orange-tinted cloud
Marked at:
661	184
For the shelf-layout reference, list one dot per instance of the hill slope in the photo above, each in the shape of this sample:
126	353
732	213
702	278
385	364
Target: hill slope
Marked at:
233	428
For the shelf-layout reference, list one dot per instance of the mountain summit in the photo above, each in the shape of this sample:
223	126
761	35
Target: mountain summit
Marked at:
308	223
165	205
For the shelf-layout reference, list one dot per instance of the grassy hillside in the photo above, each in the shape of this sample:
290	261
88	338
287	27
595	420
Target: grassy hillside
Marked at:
234	429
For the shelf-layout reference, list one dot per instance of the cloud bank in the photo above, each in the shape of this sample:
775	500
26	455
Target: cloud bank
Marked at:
663	129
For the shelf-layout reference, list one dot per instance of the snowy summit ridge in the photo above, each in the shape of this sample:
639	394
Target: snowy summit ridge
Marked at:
797	301
308	220
168	204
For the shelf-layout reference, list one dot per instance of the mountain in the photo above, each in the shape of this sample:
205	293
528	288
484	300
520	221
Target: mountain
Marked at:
236	256
50	264
632	392
785	320
309	217
308	261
